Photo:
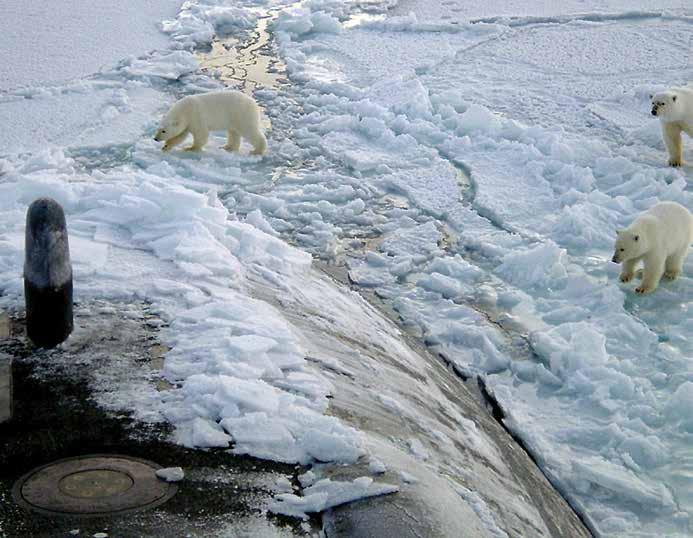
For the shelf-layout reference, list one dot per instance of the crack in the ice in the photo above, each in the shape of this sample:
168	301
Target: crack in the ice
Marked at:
471	199
521	21
499	415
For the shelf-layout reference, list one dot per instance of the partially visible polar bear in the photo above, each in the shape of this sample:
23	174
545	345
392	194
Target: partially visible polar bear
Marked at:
674	108
231	111
660	237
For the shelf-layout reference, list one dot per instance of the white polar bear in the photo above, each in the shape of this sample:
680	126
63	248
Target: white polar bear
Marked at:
660	237
231	111
674	108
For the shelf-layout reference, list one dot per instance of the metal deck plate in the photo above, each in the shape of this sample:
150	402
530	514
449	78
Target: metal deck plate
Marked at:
98	485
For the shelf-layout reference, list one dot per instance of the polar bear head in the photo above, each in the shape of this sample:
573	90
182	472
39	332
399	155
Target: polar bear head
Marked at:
630	243
667	106
171	125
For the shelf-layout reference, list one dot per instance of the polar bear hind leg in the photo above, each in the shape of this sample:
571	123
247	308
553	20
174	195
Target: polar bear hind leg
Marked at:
674	263
259	142
672	140
233	142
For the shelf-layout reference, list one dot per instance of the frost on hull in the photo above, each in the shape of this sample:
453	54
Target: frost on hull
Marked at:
47	274
421	428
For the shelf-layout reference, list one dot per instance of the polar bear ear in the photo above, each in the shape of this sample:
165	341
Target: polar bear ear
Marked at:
619	232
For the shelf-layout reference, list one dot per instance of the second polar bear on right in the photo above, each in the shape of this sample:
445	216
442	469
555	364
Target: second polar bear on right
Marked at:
674	108
660	238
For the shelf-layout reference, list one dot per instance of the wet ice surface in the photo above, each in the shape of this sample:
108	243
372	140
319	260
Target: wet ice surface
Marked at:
470	175
249	65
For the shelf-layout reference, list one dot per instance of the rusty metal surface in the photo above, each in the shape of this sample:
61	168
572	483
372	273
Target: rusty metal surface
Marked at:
93	486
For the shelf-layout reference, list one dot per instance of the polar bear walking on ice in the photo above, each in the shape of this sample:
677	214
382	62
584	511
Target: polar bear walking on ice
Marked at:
674	108
232	111
660	237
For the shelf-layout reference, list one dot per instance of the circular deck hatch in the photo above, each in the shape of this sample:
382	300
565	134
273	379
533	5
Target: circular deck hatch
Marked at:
98	485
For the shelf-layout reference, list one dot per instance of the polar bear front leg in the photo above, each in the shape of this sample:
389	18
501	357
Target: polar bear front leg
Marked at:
171	142
628	270
200	137
672	139
652	274
233	142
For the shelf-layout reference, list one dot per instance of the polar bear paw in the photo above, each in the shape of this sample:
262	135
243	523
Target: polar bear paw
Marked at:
671	274
626	277
642	290
675	162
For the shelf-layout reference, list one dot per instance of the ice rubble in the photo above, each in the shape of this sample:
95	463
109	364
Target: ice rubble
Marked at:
327	493
239	365
300	21
171	474
198	22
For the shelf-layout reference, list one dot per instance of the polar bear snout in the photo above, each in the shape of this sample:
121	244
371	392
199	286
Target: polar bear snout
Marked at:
615	259
654	110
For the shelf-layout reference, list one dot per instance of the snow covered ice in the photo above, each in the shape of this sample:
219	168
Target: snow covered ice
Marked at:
171	474
326	494
468	163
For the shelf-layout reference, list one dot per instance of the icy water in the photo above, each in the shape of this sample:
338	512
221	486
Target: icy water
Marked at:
248	65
